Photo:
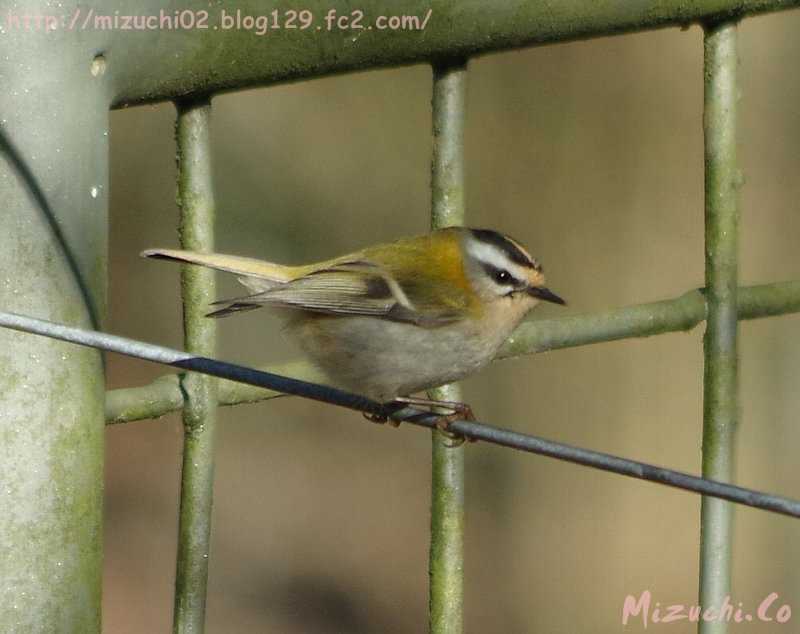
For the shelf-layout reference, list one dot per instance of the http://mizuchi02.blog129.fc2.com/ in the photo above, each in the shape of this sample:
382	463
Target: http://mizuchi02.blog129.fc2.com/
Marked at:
87	18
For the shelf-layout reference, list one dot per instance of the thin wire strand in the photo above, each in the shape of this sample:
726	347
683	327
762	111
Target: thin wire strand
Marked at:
164	394
468	429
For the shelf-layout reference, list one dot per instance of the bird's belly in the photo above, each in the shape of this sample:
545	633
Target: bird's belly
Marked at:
384	359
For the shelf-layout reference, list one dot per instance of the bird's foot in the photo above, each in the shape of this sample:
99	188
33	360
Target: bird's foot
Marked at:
456	411
385	416
381	419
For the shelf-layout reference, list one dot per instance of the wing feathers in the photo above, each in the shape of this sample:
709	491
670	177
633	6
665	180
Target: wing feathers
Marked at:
333	291
337	287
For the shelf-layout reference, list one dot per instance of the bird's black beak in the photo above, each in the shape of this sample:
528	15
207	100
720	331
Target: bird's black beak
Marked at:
545	294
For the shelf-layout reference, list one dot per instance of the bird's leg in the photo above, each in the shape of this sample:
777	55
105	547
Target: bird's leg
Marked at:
457	411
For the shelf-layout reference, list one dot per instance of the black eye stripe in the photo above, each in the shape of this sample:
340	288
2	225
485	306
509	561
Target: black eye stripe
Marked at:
507	246
501	276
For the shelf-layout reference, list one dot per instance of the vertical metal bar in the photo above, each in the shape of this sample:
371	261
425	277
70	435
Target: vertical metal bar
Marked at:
196	199
53	258
720	380
446	566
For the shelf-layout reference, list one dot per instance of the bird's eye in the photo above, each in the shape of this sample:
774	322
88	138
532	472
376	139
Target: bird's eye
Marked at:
499	276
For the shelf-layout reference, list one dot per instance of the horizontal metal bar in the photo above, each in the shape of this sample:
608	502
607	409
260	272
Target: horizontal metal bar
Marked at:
341	37
468	429
644	320
164	395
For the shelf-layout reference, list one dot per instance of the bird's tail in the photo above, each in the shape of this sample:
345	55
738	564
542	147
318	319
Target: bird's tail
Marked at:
249	267
257	275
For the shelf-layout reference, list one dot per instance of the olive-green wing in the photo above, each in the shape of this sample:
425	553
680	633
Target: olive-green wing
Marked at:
344	288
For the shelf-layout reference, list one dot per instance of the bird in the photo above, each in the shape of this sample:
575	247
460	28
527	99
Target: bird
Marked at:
394	319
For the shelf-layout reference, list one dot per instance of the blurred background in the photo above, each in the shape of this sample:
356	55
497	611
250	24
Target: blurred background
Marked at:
591	154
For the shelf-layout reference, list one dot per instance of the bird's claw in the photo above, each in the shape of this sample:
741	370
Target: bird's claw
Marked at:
460	411
381	419
457	411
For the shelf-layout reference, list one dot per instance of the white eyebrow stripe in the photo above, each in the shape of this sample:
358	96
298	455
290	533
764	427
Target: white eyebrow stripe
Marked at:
488	253
495	257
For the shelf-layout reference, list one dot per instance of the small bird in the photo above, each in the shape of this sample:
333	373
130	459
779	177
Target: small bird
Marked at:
395	319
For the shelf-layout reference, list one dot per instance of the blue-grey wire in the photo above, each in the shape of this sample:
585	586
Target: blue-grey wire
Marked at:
469	429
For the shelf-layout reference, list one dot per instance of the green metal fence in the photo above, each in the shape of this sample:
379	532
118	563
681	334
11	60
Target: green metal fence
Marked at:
52	574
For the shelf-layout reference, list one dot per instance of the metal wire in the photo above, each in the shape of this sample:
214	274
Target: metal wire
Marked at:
471	430
682	313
